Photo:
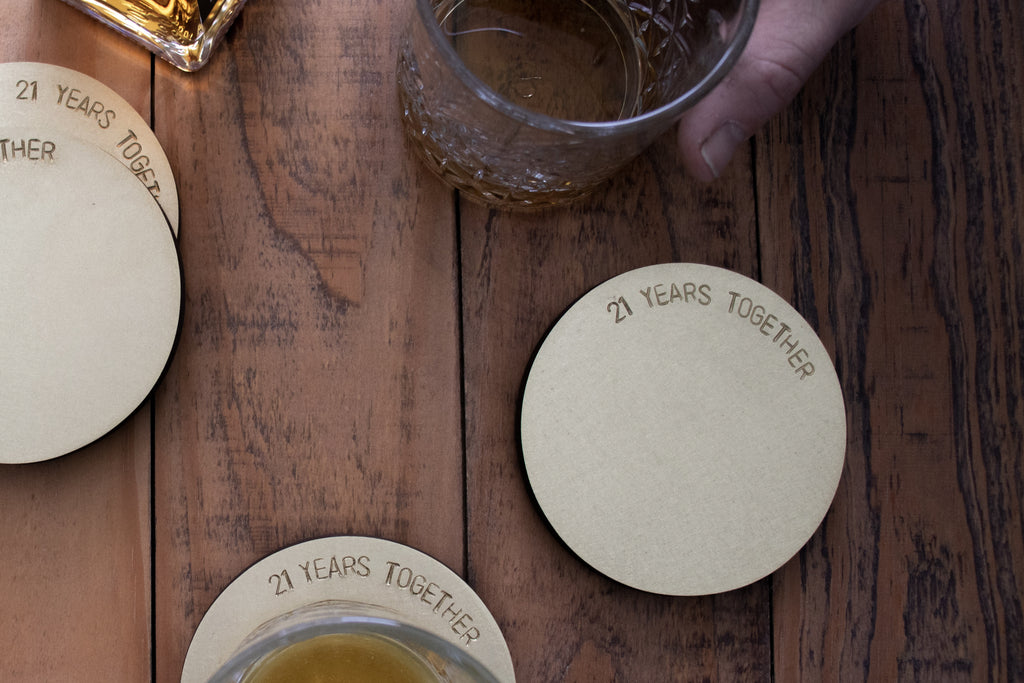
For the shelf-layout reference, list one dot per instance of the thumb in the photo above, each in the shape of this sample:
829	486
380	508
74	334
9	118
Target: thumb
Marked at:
789	40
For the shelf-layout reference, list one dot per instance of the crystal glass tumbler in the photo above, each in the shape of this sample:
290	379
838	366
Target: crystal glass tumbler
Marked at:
184	32
533	102
340	640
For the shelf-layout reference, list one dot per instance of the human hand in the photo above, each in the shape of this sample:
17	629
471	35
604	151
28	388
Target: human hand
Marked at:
789	40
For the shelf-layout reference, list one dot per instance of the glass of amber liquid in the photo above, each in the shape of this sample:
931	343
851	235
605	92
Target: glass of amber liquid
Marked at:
345	642
533	102
184	32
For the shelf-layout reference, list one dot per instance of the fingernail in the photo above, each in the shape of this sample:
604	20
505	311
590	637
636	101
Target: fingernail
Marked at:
719	147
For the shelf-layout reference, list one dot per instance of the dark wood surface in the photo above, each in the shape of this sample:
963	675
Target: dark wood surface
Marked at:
355	337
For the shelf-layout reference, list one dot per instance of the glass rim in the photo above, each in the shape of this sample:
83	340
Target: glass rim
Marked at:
670	110
328	624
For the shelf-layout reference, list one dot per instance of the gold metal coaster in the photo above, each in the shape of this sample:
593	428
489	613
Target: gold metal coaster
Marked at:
90	294
683	429
426	594
51	98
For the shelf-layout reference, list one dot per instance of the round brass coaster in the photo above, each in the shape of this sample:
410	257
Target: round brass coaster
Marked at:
683	429
90	294
407	582
51	98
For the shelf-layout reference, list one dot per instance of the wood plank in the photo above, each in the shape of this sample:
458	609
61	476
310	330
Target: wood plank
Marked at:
76	532
317	386
53	33
76	548
520	270
905	148
315	390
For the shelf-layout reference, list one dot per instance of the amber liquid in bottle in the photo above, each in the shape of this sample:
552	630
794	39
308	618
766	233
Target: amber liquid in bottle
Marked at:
173	20
184	32
342	658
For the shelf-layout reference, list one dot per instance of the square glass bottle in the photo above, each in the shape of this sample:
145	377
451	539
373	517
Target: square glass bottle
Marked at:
184	32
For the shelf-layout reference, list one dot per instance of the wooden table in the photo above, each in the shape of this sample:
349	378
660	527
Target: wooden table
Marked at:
355	338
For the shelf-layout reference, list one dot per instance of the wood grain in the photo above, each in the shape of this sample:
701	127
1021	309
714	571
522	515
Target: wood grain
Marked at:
75	536
355	341
915	282
315	390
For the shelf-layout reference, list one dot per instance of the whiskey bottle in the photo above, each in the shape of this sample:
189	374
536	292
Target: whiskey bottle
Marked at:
184	32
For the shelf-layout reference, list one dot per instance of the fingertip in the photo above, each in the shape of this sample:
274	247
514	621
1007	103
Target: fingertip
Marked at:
706	158
718	148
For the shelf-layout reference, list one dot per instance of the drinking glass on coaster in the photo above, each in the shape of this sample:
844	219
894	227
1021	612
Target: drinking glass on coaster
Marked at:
352	642
536	102
348	609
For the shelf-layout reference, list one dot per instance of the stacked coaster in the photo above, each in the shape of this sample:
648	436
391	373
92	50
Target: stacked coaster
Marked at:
90	277
683	429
